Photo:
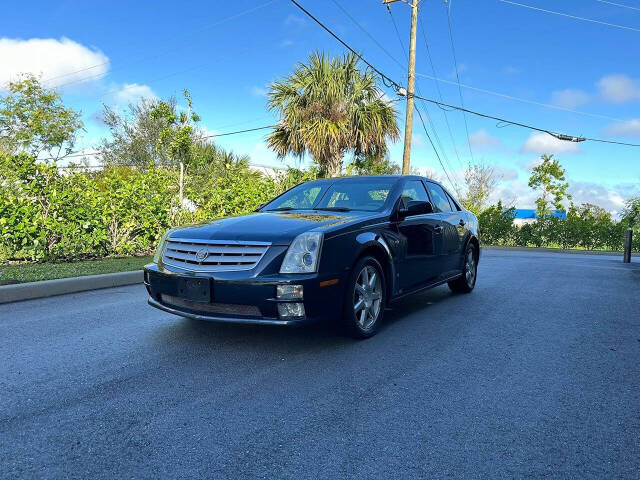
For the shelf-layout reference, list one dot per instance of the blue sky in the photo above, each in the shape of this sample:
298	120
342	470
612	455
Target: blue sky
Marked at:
227	53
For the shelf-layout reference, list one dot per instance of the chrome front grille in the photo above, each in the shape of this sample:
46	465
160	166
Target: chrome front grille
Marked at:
213	255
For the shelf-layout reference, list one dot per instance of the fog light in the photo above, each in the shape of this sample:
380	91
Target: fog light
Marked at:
288	310
289	292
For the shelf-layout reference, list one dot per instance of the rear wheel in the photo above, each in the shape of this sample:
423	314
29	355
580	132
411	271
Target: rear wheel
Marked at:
365	299
466	282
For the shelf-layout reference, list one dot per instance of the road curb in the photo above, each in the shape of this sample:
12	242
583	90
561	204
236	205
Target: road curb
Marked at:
61	286
552	250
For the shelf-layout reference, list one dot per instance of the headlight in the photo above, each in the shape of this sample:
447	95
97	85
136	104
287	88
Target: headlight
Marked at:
159	250
303	255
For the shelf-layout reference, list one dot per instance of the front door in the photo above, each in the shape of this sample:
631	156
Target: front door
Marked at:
451	238
422	238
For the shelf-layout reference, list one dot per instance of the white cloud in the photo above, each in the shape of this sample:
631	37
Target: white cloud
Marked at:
462	67
518	194
630	128
569	98
511	70
50	58
504	173
619	88
544	143
132	93
481	140
612	200
418	140
259	91
295	21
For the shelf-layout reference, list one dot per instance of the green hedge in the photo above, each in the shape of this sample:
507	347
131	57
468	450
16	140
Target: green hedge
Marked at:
48	213
580	230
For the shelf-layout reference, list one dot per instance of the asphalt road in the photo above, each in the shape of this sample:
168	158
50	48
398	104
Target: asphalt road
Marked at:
534	374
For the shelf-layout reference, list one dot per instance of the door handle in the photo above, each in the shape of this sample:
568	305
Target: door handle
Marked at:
461	222
437	229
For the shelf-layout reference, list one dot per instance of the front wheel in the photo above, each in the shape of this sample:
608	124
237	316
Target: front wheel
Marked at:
365	299
466	282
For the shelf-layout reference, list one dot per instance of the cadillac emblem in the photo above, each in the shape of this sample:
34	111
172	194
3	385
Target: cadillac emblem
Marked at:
202	254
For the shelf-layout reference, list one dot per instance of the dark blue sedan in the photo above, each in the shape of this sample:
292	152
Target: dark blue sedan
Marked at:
335	249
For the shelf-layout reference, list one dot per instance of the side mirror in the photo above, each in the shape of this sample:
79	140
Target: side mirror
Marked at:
416	207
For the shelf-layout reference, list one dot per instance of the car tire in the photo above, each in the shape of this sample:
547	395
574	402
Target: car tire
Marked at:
364	305
467	281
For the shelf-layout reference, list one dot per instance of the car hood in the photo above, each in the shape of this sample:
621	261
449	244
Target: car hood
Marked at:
278	228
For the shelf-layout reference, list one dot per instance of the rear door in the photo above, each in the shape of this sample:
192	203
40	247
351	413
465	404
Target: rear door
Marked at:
422	240
450	221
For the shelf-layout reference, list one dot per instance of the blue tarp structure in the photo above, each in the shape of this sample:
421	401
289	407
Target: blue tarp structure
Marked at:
531	213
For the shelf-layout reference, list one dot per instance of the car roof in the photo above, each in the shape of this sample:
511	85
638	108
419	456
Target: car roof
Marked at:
365	178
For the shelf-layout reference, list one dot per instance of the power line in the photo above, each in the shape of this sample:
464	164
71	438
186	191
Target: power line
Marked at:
174	49
591	20
391	56
524	100
435	132
455	60
560	136
453	184
433	69
456	107
90	154
385	78
618	5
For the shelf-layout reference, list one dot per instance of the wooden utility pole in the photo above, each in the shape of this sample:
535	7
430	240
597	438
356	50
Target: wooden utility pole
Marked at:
408	126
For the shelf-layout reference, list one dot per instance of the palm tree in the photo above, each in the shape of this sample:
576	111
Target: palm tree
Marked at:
329	107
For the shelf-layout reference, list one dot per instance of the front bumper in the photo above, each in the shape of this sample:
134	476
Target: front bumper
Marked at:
243	297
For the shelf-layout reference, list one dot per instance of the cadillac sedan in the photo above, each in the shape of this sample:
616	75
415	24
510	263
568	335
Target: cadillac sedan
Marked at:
335	249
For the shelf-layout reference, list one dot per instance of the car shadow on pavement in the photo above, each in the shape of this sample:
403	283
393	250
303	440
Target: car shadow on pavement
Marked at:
198	333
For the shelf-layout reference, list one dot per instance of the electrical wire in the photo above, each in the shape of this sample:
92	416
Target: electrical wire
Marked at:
387	80
455	61
433	69
90	154
453	184
591	20
456	107
171	50
435	132
619	5
519	99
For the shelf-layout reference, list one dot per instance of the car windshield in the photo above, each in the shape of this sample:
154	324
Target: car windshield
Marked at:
343	195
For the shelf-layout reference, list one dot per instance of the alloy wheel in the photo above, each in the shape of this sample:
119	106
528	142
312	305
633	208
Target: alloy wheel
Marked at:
367	297
470	268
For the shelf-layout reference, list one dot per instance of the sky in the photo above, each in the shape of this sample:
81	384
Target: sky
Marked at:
552	71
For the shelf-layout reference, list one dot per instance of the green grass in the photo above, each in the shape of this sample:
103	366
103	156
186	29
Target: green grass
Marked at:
33	272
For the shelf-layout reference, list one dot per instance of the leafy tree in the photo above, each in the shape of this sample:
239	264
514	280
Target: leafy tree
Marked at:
176	136
372	164
329	107
135	135
549	179
33	120
496	225
631	213
480	181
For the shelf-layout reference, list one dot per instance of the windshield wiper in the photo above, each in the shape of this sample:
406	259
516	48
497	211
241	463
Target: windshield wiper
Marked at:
279	209
334	209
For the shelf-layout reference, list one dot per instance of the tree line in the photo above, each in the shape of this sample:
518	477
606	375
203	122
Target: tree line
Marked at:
159	169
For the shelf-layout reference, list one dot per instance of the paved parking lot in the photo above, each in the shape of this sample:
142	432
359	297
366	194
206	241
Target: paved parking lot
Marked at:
535	374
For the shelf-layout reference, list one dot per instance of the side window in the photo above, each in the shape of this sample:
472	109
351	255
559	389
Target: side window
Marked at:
439	198
454	206
413	190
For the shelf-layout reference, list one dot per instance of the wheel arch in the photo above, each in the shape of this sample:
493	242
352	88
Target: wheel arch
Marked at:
375	246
